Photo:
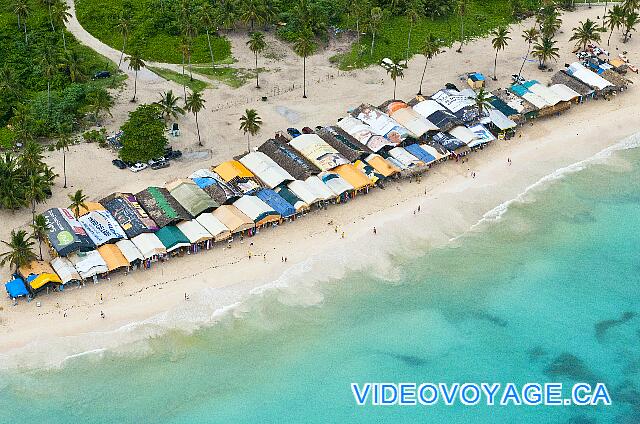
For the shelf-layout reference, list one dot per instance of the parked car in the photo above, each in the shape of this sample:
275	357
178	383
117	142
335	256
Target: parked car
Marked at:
172	154
160	164
119	164
307	130
293	132
102	75
138	167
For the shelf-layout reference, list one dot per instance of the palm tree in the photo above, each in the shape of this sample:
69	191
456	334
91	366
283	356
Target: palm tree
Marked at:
257	45
250	124
228	13
545	49
462	11
499	42
22	10
208	19
395	70
430	49
9	83
77	200
195	104
614	20
530	36
374	23
36	191
414	10
20	250
253	12
169	105
49	67
185	49
585	33
304	46
124	27
482	101
11	183
190	32
135	64
629	22
31	160
74	62
63	143
100	101
39	230
61	16
49	3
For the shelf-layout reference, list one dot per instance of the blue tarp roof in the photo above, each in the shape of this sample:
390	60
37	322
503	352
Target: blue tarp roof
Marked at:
277	202
420	153
519	89
476	76
503	107
204	182
16	288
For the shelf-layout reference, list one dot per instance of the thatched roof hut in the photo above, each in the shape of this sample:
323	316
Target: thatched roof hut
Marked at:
161	206
561	77
344	143
289	159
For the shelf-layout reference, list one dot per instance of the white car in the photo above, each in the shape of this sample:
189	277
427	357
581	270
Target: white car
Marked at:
138	167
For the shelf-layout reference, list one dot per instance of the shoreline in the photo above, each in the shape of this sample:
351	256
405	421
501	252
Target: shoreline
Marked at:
148	303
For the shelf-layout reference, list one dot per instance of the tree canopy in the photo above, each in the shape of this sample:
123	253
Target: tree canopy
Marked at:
143	135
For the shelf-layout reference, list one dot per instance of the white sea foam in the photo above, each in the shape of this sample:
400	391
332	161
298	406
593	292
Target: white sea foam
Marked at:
496	213
296	286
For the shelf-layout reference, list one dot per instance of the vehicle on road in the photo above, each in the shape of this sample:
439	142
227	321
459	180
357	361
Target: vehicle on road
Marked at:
160	164
120	164
138	167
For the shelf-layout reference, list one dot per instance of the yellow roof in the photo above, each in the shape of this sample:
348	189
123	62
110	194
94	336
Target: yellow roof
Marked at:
232	169
43	270
617	62
112	256
90	207
36	268
353	176
382	166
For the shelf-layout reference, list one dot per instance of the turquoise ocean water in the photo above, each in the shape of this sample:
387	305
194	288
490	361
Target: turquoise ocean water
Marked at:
550	292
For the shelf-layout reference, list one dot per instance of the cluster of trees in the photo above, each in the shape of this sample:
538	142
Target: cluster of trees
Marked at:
44	71
25	180
21	244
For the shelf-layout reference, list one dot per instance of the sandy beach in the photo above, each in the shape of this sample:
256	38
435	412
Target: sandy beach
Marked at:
146	302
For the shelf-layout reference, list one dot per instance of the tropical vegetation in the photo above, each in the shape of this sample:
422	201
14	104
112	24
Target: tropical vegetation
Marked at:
144	136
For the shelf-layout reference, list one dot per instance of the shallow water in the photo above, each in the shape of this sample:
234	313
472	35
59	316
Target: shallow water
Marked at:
549	292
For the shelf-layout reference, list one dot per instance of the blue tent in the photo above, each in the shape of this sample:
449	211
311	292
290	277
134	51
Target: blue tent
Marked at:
16	288
277	202
420	153
204	182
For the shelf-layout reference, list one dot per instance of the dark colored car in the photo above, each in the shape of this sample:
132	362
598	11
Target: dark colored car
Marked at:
172	154
119	164
102	75
159	165
293	132
307	130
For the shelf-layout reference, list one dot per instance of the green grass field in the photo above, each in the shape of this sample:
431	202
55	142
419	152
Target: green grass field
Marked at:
391	40
233	77
168	74
154	32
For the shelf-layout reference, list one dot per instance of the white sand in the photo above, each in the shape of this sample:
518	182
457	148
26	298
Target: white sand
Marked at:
451	201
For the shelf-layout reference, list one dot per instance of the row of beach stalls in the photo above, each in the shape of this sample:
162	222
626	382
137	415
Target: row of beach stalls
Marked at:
286	177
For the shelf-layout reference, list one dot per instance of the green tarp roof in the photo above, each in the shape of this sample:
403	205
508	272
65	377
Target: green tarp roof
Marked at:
171	236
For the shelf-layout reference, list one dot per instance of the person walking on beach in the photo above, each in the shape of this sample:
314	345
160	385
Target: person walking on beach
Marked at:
102	314
418	208
342	235
509	161
375	231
